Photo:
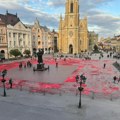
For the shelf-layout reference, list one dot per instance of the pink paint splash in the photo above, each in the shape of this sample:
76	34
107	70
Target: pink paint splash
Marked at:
91	69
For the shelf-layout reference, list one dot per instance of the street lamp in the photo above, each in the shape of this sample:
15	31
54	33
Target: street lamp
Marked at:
4	72
81	80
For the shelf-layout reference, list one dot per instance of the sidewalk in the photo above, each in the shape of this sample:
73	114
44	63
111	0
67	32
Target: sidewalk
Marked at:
21	105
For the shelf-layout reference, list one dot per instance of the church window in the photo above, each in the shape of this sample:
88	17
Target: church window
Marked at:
80	42
71	7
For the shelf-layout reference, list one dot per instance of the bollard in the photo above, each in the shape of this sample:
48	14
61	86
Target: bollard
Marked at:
44	92
111	97
20	87
93	95
60	94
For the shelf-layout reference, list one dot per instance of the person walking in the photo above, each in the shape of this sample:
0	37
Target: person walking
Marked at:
56	64
104	65
114	78
10	82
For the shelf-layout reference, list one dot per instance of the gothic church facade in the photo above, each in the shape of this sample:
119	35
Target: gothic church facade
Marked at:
73	31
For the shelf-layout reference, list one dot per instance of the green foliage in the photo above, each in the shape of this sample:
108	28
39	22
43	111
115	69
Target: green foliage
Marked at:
96	48
1	55
15	52
27	52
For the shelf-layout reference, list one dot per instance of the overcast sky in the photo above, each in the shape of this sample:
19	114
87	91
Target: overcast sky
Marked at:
103	15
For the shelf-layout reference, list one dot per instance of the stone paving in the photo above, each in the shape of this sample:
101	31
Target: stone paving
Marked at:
23	105
99	79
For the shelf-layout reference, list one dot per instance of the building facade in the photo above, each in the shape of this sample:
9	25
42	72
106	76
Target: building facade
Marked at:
16	35
73	32
93	39
3	40
55	41
42	38
111	43
19	37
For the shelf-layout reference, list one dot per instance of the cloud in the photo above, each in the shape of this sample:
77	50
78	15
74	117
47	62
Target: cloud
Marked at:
56	3
48	11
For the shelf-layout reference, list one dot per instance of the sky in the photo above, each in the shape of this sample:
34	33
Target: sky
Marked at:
103	15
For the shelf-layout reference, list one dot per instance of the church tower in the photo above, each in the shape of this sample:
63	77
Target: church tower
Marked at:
69	30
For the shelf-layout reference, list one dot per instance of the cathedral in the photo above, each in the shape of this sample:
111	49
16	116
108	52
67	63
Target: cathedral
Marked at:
73	31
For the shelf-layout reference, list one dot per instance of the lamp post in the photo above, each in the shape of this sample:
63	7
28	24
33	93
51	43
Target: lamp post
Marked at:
4	72
81	80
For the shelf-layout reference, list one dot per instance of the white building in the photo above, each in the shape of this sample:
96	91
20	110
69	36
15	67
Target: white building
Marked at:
19	37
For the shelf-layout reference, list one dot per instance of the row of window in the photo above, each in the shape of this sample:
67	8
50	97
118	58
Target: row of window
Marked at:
19	43
43	37
19	35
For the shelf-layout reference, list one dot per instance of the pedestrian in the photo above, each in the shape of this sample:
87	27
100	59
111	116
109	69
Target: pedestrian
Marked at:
104	65
25	65
56	64
20	65
10	82
114	78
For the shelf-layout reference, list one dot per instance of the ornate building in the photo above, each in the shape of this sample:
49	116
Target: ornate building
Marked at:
42	38
14	34
73	32
19	37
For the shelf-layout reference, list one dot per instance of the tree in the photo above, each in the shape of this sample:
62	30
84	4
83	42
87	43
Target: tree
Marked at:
96	48
27	52
15	52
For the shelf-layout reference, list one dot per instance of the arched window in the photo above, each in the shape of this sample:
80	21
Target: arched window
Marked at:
39	43
71	7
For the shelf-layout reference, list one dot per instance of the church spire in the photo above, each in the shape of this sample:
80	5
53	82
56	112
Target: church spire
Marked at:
37	23
72	6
